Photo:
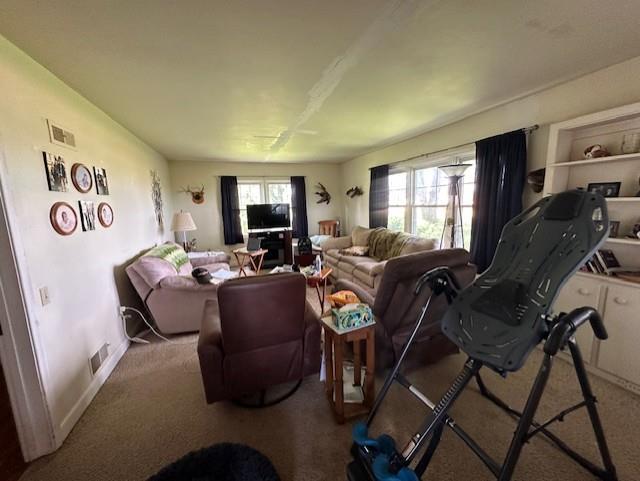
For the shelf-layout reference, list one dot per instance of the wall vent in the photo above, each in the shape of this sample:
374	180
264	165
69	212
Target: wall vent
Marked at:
61	136
98	358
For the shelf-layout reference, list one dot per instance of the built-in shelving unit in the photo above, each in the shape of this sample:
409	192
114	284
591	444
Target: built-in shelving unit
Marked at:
617	299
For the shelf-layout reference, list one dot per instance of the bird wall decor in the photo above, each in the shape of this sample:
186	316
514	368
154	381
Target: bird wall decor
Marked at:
354	191
323	194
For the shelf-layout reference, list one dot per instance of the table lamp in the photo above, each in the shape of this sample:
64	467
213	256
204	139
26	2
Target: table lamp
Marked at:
183	222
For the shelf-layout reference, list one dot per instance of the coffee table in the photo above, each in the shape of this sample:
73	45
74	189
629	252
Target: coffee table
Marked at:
246	257
320	281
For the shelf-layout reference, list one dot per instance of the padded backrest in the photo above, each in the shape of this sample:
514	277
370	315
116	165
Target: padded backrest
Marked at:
261	311
500	318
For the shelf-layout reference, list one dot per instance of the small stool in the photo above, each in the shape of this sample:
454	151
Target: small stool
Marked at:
334	345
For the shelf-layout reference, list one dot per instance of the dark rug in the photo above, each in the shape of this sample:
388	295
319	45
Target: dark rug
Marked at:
220	462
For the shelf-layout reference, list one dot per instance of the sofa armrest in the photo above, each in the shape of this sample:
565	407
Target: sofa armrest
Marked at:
185	283
363	295
337	243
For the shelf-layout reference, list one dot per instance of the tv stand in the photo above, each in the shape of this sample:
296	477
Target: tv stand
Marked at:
278	244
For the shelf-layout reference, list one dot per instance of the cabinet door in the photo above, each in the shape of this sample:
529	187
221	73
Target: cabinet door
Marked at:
580	292
619	354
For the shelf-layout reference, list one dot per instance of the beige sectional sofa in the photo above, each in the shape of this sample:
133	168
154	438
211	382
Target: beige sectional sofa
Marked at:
379	244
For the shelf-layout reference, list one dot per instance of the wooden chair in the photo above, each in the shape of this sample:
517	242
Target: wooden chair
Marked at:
329	227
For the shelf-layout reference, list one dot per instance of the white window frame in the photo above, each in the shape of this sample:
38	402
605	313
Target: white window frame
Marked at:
264	183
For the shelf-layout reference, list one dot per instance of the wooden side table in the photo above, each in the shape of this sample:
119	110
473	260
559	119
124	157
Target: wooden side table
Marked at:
320	281
245	258
334	344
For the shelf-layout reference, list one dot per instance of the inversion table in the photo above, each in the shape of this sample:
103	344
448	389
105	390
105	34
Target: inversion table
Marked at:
497	321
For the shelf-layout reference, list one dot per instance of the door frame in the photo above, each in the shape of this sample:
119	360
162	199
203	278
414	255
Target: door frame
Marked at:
18	343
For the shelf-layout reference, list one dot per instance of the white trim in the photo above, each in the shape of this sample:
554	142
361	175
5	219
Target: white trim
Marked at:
19	342
72	417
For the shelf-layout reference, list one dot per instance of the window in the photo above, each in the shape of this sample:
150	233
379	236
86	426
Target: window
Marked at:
418	199
261	191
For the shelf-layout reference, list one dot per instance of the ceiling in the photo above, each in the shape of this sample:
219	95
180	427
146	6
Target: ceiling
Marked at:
309	80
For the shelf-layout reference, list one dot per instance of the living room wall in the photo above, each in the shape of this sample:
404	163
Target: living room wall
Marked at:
83	271
611	87
208	216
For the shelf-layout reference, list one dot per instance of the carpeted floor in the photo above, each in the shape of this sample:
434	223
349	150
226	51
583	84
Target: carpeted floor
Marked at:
152	411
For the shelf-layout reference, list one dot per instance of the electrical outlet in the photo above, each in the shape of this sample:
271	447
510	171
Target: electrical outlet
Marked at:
44	295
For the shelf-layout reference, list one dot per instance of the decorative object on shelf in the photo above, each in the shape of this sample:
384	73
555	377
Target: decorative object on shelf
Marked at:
63	218
183	222
635	231
192	245
606	189
630	143
354	192
105	214
156	197
595	151
614	228
102	184
535	179
87	215
56	171
81	177
323	194
197	196
452	235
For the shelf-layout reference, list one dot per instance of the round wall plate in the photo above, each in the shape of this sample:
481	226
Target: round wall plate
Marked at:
64	219
105	214
81	178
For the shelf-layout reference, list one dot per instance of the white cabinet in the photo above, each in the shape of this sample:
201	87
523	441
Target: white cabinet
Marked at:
580	292
619	354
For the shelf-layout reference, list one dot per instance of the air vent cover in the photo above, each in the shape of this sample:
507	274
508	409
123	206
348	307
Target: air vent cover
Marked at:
61	136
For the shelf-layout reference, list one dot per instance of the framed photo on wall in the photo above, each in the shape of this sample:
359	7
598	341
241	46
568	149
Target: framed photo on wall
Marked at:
606	189
81	178
63	218
87	215
102	183
105	214
56	171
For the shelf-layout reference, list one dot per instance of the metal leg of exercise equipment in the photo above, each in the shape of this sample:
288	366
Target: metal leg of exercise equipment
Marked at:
498	321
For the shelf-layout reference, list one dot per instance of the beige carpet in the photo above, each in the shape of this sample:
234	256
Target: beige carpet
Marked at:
152	411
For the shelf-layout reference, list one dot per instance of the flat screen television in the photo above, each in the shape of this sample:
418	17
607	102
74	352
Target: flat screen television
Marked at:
268	216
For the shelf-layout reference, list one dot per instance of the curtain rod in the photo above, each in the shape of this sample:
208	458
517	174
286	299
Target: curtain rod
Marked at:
526	130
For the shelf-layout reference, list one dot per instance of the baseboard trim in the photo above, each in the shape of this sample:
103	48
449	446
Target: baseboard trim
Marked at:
64	428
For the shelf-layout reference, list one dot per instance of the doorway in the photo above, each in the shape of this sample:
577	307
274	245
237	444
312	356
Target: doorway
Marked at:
12	464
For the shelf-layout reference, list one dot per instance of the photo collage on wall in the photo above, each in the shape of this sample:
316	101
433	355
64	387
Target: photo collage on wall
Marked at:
64	218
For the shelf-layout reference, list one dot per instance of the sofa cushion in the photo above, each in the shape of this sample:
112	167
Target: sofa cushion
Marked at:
153	269
360	236
171	253
355	250
418	244
371	268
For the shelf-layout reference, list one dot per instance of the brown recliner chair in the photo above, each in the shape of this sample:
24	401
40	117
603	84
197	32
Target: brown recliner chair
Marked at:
396	308
261	332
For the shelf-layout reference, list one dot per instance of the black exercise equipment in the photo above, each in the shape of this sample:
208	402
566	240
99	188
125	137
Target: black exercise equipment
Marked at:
497	321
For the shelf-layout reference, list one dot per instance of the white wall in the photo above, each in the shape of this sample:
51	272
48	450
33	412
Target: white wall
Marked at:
83	272
208	216
607	88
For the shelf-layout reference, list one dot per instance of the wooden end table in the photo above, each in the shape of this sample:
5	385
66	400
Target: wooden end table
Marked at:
320	281
246	257
334	344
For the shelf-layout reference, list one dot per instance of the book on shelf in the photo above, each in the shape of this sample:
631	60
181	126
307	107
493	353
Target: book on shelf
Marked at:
604	261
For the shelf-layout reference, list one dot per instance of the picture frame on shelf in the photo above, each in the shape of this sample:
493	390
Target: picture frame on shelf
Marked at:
606	189
614	228
64	219
81	177
56	171
105	214
102	182
87	215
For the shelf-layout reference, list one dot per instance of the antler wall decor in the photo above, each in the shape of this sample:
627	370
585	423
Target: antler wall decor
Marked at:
323	194
197	196
354	191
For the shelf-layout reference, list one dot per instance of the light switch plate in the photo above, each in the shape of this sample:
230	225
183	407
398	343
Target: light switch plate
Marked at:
44	295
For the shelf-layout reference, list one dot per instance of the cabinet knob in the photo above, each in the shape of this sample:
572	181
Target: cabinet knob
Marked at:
620	300
583	291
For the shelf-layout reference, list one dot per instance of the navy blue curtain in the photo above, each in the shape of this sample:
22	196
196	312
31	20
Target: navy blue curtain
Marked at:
231	210
379	196
501	164
299	223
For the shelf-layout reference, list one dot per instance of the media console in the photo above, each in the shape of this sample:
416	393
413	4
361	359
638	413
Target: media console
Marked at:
278	243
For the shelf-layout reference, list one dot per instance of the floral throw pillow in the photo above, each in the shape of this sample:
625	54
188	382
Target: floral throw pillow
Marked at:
355	251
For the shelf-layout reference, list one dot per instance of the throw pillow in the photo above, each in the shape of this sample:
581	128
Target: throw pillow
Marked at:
360	236
355	251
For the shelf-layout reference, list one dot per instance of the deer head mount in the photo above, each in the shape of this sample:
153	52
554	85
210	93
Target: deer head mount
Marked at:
323	195
197	196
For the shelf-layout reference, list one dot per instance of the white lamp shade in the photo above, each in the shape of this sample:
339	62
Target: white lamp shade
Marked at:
454	170
182	222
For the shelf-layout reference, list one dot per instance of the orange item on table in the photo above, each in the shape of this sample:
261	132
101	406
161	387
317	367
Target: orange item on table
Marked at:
342	298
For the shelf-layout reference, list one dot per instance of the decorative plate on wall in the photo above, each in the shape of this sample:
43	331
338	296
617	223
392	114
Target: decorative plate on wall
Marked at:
105	214
81	178
63	218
